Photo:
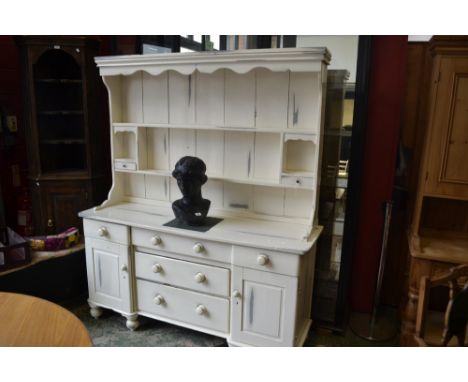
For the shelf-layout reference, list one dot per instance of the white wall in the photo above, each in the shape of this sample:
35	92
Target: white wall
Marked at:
343	50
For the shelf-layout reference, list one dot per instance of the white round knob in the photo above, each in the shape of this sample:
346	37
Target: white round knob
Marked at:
198	248
102	231
236	293
124	268
158	300
262	259
156	268
201	309
156	240
200	277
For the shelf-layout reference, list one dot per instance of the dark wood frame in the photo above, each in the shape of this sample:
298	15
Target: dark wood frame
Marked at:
358	141
50	192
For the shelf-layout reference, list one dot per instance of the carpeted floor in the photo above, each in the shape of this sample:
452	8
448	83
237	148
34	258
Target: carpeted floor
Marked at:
110	330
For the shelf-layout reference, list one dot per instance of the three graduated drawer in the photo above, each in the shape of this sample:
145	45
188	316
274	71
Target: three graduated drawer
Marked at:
183	245
203	278
115	233
183	305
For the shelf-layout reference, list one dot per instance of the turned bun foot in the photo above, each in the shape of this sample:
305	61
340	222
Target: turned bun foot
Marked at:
132	321
95	311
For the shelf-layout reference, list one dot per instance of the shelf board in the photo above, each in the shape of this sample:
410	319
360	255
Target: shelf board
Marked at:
63	141
255	182
442	246
64	174
58	81
303	174
122	126
61	112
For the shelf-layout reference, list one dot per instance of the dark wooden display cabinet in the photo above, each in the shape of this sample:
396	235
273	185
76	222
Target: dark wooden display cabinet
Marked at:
67	132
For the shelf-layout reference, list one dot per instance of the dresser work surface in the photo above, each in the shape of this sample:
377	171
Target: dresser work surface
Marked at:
256	119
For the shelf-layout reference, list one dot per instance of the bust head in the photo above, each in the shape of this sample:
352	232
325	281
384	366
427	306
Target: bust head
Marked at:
190	174
192	208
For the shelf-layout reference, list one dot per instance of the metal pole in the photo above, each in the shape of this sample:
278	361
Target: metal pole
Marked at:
383	257
375	328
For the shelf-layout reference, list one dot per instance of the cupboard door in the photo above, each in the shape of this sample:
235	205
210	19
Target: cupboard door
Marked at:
61	203
265	311
448	149
108	267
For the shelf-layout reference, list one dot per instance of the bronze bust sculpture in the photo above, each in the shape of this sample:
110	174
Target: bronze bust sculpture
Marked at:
192	208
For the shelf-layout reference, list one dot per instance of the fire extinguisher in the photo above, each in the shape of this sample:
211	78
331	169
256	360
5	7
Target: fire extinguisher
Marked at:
24	223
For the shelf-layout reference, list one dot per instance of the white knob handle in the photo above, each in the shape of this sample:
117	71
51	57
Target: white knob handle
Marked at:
102	231
156	268
198	248
158	300
201	309
262	259
236	293
156	240
200	277
124	268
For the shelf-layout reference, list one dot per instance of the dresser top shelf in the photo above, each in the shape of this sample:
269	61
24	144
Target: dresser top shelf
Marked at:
271	235
240	61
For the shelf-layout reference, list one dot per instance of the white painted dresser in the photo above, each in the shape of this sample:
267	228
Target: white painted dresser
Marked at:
255	118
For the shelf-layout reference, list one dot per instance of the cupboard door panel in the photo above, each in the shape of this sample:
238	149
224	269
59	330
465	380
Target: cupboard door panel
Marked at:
264	314
456	156
272	99
210	98
240	99
447	154
108	266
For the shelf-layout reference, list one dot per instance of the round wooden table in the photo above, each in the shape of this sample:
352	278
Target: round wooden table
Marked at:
32	321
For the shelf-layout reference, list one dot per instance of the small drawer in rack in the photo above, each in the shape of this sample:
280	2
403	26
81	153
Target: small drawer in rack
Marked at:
115	233
299	181
203	278
263	260
183	305
183	245
125	165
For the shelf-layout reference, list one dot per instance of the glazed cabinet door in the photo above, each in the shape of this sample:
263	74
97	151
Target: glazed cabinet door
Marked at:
263	308
447	172
108	266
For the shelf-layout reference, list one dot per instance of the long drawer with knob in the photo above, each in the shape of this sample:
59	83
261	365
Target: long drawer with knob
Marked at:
182	305
198	277
205	249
